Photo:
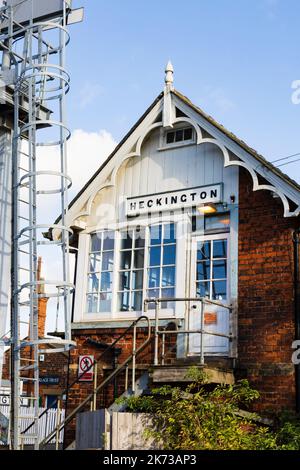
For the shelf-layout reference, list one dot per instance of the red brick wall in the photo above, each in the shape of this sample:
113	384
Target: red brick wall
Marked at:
80	391
266	296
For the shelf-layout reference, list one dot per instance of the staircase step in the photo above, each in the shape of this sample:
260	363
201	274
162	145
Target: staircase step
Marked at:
171	374
141	386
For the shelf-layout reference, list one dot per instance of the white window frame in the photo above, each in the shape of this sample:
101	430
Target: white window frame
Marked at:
193	269
103	314
182	143
181	221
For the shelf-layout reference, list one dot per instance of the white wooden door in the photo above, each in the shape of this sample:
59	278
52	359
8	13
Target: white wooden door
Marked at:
209	279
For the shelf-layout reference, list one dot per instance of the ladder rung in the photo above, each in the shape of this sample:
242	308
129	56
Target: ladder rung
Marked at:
28	417
29	398
23	218
24	269
24	202
25	359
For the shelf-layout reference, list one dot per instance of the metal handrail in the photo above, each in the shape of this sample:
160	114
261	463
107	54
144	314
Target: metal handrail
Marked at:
91	396
201	331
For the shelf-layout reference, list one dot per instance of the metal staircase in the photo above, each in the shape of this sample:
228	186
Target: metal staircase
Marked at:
136	385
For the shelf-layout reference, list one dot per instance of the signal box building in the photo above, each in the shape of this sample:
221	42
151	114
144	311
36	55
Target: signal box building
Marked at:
184	210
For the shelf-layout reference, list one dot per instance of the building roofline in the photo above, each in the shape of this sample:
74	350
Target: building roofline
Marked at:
262	160
240	142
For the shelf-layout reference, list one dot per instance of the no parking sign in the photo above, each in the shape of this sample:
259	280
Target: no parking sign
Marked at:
85	364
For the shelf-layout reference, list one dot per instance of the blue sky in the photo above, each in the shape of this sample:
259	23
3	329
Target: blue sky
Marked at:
236	59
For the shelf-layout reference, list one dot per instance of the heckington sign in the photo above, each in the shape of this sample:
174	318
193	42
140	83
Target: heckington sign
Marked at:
173	200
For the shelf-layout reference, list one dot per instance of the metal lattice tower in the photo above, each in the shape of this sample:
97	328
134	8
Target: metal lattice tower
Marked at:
34	58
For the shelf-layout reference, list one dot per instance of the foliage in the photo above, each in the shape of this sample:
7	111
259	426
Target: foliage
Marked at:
199	419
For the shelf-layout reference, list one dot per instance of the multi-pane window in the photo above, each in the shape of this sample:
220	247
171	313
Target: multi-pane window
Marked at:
100	272
211	276
161	262
179	135
131	273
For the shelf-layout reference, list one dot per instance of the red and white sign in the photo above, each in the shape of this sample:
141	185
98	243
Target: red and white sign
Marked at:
85	364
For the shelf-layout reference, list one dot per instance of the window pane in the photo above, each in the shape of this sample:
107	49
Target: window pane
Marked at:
126	259
124	301
168	277
219	269
108	241
154	277
179	136
169	256
137	279
170	137
125	280
167	293
153	293
203	250
93	282
106	281
203	289
91	303
136	300
155	256
169	233
138	261
203	271
220	249
107	261
188	133
105	302
126	240
155	234
140	238
219	290
95	263
96	242
220	221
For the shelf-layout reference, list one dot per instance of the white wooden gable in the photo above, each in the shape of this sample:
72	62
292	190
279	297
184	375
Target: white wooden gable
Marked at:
162	114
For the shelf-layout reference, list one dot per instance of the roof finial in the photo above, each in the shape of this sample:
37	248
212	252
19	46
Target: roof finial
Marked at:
169	79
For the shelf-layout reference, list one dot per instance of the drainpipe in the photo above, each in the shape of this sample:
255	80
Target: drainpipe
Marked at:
296	240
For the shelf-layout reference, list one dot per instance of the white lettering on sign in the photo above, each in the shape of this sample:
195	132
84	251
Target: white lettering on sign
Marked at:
173	200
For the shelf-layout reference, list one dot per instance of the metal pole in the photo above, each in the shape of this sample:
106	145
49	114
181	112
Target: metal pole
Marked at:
15	323
201	335
133	358
163	349
95	387
126	378
58	416
156	334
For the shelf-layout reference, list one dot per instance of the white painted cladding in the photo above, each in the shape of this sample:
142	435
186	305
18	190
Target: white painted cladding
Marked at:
173	169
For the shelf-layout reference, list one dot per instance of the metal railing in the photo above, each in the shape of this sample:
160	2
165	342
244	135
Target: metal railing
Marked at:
201	331
92	397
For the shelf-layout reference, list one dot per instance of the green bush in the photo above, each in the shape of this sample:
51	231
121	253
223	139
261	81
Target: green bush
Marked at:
198	419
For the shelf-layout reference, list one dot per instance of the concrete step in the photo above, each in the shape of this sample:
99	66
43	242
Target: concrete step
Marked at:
179	374
141	385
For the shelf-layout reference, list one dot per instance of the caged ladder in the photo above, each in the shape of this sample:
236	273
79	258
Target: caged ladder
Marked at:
35	54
